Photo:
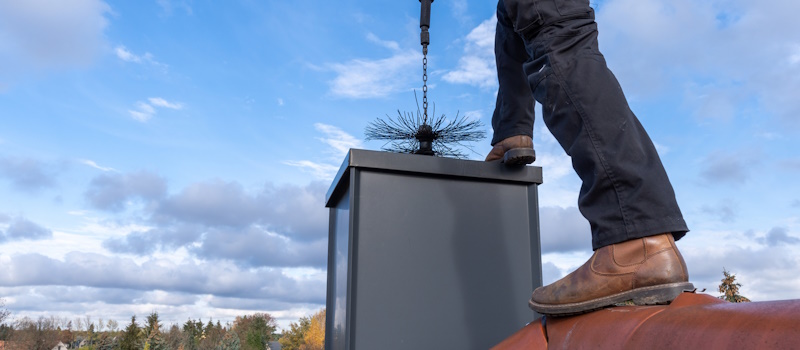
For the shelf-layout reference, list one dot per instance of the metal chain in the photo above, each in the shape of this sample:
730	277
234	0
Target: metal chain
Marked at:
425	87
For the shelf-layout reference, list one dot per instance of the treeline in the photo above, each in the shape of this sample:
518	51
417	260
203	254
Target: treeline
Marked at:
251	332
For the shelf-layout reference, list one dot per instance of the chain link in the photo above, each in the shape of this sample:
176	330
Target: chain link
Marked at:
425	87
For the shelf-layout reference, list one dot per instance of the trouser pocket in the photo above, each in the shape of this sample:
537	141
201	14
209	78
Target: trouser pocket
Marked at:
571	7
523	14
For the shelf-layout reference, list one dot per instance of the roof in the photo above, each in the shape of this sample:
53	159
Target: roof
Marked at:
701	321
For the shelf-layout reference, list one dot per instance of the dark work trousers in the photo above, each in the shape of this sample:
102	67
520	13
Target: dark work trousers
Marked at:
547	50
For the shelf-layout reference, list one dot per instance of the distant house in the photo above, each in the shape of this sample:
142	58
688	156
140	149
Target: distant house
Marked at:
61	346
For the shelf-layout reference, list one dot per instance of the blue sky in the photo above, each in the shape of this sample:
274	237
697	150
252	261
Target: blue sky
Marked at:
173	155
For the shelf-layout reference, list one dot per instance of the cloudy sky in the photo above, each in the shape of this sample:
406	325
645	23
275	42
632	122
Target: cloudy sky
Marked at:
173	155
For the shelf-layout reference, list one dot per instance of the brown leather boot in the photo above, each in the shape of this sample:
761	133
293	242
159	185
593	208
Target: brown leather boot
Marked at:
647	271
515	150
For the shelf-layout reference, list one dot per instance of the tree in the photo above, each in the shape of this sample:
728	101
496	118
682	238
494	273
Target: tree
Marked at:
3	311
192	331
174	337
153	339
307	334
130	337
294	338
105	341
40	334
112	326
730	289
5	330
229	342
212	335
91	335
255	331
66	336
314	338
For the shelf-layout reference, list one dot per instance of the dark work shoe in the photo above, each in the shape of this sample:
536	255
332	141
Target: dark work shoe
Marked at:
515	150
646	271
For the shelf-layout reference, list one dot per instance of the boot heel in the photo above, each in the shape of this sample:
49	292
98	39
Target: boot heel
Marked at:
519	156
662	295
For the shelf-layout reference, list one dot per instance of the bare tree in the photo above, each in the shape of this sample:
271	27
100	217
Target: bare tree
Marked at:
40	334
3	311
113	326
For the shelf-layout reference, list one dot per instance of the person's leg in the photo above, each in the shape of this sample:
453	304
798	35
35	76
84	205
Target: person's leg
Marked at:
626	195
512	120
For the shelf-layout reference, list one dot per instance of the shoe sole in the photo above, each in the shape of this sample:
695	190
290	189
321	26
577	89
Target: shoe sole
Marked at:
519	156
654	295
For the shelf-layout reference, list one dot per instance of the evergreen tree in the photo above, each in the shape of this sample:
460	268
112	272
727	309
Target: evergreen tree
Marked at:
130	336
229	342
192	331
154	340
212	335
151	323
6	331
730	289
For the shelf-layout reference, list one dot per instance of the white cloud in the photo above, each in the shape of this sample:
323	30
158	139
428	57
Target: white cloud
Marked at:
477	65
20	228
167	6
92	164
27	174
391	45
339	143
113	191
764	262
794	57
139	115
730	167
662	150
218	278
280	101
318	170
710	44
474	115
145	111
126	55
564	230
51	33
460	8
367	78
160	102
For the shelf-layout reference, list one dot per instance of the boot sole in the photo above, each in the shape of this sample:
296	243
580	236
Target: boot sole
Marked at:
654	295
519	156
